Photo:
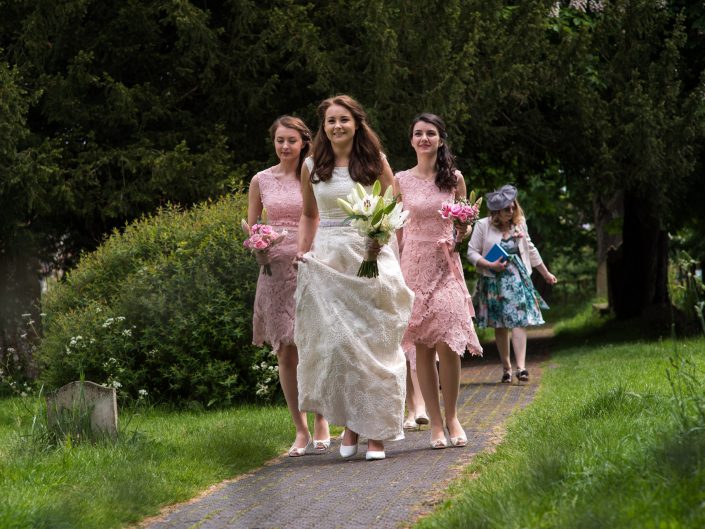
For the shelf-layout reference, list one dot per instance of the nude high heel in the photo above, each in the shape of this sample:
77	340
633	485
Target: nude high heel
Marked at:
321	446
298	452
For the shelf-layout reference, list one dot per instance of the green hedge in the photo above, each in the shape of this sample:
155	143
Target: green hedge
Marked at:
164	307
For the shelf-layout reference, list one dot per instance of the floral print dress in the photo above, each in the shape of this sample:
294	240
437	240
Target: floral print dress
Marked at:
508	299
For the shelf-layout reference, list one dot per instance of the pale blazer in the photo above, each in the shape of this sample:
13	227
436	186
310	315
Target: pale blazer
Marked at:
485	235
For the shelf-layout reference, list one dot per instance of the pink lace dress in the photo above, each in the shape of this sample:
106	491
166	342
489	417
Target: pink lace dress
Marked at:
273	320
442	307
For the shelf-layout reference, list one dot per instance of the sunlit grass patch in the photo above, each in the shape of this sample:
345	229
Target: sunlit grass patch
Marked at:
600	447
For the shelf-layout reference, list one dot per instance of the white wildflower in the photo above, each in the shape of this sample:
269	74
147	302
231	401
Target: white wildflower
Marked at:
127	332
578	5
555	11
596	6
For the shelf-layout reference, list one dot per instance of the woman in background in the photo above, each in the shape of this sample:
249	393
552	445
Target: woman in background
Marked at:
505	297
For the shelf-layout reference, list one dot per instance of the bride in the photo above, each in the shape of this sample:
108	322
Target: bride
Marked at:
348	329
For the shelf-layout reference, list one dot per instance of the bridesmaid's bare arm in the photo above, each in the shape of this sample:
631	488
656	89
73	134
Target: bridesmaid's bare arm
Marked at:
254	201
461	191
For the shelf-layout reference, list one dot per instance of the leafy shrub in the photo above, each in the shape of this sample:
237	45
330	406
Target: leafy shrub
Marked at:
687	289
164	306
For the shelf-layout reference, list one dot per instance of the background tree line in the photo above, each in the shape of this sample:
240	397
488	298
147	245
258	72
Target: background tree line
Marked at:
110	109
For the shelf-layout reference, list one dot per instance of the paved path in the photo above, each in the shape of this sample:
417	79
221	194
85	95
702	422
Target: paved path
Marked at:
325	491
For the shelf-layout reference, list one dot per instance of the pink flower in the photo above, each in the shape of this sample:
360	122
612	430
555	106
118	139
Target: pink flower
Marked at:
255	241
456	209
445	210
261	244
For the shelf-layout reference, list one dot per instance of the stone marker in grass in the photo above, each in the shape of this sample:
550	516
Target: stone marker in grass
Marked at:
83	407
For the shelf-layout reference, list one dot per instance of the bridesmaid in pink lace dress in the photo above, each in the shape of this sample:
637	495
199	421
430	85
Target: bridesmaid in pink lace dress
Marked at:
278	190
441	321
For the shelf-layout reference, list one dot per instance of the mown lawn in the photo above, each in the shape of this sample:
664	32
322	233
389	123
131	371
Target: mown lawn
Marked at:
604	444
162	457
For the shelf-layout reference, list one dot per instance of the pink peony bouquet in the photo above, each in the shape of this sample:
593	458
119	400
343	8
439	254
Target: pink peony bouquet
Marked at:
261	238
463	212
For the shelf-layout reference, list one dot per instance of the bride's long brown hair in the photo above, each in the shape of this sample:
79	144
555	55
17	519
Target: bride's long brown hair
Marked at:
365	163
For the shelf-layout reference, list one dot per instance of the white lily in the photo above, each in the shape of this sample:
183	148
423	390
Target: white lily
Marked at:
397	217
375	216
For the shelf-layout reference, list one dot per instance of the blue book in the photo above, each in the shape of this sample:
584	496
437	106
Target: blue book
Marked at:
496	252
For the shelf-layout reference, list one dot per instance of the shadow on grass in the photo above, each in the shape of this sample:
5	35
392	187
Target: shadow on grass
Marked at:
604	331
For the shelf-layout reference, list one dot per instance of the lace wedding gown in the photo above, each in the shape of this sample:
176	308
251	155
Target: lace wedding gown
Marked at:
273	319
351	369
442	307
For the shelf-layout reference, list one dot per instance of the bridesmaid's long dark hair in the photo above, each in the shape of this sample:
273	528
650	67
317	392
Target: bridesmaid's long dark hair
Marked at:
446	179
297	124
365	163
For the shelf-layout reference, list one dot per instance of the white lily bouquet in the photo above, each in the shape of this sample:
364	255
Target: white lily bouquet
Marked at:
376	217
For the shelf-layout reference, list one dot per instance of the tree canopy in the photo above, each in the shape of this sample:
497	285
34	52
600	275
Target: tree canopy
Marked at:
112	108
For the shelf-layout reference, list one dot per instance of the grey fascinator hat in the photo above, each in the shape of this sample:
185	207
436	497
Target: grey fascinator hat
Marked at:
501	198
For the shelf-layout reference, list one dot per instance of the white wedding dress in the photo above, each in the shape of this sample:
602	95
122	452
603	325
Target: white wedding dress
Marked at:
349	329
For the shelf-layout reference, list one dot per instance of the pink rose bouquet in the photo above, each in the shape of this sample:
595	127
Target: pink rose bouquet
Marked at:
463	212
261	238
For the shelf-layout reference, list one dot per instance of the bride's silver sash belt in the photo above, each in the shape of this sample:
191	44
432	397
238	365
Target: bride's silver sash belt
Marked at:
333	223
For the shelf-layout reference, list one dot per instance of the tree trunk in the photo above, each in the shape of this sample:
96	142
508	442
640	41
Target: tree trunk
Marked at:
643	275
606	213
20	292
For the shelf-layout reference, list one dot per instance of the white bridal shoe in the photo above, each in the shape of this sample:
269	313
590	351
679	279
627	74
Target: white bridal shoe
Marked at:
374	455
347	450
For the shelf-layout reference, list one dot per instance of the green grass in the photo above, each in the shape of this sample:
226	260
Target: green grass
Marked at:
163	457
600	447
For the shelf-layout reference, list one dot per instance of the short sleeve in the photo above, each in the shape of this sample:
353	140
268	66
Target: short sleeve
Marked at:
309	164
